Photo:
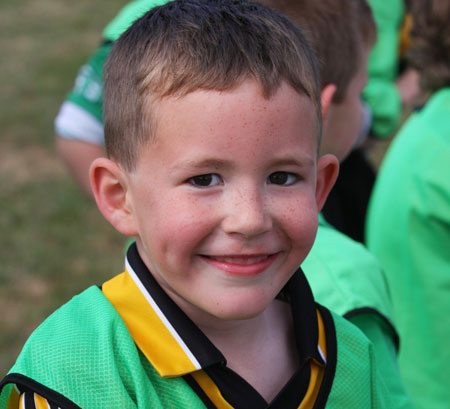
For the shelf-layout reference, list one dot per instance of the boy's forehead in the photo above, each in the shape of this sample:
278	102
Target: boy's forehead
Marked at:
223	105
242	110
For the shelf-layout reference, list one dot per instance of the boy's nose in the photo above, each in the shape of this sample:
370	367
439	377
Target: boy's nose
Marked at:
246	214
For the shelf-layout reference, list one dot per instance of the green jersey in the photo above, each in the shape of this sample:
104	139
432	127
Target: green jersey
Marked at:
346	278
129	346
408	229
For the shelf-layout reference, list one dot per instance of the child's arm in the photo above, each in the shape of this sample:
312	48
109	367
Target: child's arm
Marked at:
382	337
78	156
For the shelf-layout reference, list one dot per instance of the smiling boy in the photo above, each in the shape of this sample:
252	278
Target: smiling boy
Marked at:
212	123
236	203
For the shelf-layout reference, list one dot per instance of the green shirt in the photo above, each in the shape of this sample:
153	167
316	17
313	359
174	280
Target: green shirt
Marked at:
347	278
408	229
129	346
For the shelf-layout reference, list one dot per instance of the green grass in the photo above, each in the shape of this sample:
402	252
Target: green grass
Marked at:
53	241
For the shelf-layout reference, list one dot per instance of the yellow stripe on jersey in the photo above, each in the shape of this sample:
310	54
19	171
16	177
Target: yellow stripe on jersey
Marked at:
13	400
322	334
150	333
40	402
212	391
317	370
22	401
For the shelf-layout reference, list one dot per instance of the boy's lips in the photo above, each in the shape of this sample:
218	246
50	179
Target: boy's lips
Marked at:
243	264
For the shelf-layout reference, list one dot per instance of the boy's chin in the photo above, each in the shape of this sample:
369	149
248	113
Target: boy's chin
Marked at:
239	315
241	307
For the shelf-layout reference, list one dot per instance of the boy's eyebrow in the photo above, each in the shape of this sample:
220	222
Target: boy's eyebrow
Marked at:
302	161
216	163
203	163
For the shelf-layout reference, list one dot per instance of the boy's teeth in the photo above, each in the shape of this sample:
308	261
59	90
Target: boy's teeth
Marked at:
240	260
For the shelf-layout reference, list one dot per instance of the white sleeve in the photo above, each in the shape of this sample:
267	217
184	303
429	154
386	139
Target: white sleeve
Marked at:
73	122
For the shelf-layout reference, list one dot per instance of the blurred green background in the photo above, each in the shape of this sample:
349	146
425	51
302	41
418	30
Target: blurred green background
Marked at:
53	241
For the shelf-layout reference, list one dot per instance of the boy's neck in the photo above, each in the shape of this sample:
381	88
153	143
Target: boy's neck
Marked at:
261	350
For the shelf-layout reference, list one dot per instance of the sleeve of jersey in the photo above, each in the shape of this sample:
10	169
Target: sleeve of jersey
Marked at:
31	400
81	115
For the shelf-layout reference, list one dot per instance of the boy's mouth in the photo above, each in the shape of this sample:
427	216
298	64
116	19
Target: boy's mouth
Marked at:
240	260
251	264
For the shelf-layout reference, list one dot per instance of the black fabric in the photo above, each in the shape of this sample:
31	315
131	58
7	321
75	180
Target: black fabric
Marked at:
29	400
241	395
235	390
369	310
27	384
346	205
305	318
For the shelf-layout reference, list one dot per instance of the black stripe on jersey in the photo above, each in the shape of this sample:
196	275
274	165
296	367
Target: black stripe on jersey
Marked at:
201	347
199	391
330	369
304	314
235	389
295	390
241	395
28	384
29	400
371	310
29	397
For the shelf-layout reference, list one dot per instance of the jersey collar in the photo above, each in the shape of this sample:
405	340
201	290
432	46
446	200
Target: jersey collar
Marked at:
171	341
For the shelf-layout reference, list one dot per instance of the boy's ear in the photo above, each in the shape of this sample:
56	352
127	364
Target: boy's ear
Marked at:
110	189
327	173
326	97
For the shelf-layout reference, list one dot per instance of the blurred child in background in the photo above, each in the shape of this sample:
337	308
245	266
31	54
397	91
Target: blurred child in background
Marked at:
79	123
408	226
342	273
390	90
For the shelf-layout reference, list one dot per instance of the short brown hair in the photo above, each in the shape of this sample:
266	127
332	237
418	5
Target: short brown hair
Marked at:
430	42
188	45
339	31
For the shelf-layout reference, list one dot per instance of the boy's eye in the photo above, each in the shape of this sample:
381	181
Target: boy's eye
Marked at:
283	178
210	179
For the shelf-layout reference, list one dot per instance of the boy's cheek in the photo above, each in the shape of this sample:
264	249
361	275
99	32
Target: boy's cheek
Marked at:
301	225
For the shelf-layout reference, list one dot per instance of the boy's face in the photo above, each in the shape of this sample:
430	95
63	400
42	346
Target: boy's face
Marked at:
344	119
224	200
